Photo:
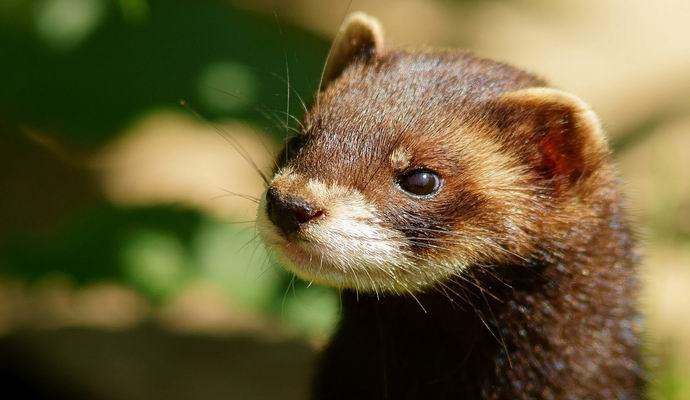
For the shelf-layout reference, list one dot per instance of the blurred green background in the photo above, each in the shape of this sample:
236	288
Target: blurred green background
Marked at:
129	269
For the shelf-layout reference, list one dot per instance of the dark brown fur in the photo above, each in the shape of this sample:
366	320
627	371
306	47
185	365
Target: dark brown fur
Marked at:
549	311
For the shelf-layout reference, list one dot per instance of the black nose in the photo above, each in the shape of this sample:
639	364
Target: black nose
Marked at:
289	213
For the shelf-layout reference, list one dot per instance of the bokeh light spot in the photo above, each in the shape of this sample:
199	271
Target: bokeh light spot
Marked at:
312	311
227	87
64	24
135	10
231	257
155	262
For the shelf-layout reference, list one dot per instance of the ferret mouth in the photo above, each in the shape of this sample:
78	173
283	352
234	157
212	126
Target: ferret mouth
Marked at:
297	250
306	257
311	263
297	247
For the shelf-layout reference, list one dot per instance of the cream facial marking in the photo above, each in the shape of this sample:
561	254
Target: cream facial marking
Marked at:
400	159
349	246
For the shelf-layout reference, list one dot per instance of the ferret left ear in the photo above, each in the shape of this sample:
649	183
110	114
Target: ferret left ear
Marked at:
359	38
565	138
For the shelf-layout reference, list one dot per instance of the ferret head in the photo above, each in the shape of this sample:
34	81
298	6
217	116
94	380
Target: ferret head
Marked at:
415	166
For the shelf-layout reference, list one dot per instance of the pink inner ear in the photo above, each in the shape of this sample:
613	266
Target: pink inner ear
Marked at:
560	155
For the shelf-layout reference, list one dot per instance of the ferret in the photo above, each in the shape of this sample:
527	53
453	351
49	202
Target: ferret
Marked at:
470	216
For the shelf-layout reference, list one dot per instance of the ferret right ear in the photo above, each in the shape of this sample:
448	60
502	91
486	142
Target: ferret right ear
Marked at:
564	137
359	38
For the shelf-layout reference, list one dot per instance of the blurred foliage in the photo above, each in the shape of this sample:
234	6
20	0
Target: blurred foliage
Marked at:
85	75
90	246
82	70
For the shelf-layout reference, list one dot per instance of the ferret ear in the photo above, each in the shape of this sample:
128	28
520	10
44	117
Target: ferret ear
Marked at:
565	138
359	38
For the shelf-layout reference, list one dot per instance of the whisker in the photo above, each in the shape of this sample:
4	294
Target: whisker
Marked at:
256	246
240	195
461	297
239	222
228	138
287	75
294	91
288	115
477	285
372	282
500	337
416	300
266	265
253	238
263	110
287	289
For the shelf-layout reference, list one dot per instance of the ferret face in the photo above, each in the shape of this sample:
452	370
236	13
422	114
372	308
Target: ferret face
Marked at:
388	209
407	172
392	202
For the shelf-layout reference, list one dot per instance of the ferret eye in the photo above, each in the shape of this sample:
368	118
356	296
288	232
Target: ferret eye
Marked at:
294	146
420	182
291	150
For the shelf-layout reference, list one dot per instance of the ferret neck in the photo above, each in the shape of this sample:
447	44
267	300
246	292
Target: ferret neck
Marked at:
538	322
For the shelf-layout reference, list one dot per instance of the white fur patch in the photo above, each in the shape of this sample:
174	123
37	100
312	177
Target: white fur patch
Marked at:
349	246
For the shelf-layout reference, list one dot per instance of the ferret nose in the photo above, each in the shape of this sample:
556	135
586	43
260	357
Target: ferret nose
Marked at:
289	213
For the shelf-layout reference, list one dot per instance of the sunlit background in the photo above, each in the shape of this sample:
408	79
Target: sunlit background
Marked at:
129	265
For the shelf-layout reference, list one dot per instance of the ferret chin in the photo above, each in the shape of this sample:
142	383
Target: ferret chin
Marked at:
471	217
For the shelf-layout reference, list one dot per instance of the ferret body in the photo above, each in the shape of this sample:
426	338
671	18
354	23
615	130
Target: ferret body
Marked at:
470	216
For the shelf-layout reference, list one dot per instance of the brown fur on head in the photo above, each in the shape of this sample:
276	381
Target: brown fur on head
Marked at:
517	161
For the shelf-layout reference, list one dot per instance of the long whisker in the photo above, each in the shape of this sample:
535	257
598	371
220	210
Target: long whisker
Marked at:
239	222
287	75
287	289
477	285
264	111
294	91
230	139
416	300
266	265
250	241
240	195
500	337
287	115
464	298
